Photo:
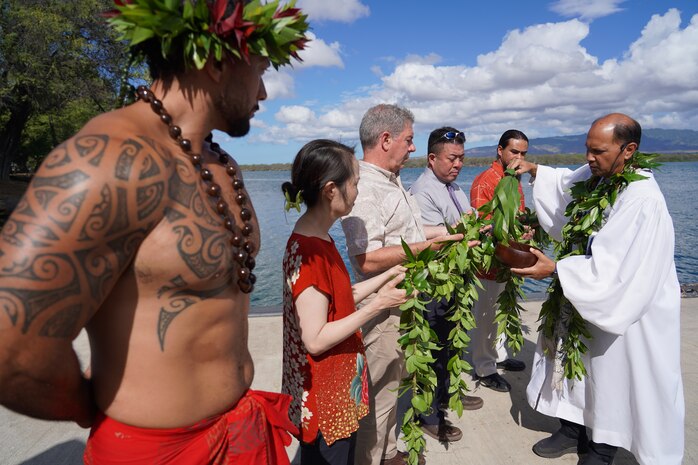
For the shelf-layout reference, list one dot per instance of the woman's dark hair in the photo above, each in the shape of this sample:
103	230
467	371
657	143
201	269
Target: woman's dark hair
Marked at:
511	134
318	162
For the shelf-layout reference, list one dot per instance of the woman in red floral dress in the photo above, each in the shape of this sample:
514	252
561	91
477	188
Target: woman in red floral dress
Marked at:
324	362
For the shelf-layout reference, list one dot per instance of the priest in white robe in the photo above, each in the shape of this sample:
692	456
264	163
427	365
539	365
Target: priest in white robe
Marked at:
627	291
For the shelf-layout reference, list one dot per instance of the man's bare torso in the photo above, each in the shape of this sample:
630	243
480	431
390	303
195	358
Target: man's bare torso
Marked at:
138	238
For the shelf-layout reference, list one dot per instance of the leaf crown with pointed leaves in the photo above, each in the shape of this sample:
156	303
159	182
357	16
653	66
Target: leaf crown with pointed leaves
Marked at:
200	29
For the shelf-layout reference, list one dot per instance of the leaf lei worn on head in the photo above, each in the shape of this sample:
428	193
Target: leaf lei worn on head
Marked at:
561	324
199	28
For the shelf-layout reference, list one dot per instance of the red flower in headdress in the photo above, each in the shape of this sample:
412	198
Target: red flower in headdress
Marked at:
232	24
114	12
287	12
300	45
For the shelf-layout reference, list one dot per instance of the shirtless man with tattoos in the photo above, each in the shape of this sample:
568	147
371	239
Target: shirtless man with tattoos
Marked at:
139	229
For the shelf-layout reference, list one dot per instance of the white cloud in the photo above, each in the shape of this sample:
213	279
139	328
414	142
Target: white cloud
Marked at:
319	53
279	84
541	80
345	11
586	9
295	114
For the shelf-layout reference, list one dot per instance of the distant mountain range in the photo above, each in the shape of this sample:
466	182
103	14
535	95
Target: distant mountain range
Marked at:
653	140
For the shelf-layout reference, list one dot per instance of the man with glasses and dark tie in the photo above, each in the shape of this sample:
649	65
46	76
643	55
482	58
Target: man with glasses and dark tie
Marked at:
441	200
489	354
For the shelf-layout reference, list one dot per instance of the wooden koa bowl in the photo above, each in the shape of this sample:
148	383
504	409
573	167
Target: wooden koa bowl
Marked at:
515	255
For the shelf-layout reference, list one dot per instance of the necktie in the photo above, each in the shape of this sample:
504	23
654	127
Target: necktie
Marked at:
452	194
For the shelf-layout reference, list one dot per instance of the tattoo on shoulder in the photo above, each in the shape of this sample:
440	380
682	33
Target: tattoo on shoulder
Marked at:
61	182
98	219
92	147
49	287
149	198
124	164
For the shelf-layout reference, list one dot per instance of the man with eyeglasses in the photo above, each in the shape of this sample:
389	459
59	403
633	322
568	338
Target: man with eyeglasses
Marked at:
489	352
384	213
441	200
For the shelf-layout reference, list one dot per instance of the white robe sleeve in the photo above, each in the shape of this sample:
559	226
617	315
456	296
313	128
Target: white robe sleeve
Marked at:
630	257
551	196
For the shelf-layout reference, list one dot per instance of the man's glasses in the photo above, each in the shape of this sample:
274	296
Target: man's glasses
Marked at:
452	135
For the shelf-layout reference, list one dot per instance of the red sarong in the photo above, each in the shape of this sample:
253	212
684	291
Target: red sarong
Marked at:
256	431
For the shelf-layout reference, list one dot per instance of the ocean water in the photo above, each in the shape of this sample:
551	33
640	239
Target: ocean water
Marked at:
678	181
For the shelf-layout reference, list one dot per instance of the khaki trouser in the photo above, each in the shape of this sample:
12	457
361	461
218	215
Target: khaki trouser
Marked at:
486	352
377	438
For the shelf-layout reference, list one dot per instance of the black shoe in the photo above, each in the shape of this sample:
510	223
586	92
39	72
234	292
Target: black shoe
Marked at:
558	445
599	454
511	365
496	382
593	459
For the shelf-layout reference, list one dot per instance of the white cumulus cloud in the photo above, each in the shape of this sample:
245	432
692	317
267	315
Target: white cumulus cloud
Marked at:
295	114
319	53
586	9
279	84
540	79
345	11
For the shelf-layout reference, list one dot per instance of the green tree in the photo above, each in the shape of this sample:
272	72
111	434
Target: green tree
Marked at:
60	64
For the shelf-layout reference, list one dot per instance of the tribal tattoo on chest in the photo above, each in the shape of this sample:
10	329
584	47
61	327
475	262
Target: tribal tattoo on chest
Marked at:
82	221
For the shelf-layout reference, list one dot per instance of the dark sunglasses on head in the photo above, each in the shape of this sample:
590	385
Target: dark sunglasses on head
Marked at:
452	135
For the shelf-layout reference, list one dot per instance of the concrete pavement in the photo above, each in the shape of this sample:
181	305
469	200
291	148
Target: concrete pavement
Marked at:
500	433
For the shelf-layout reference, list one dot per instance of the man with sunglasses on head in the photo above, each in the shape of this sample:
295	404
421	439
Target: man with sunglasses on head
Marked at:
625	288
383	214
441	200
488	351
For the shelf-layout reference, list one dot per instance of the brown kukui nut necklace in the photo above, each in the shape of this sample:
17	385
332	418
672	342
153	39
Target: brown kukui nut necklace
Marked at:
240	240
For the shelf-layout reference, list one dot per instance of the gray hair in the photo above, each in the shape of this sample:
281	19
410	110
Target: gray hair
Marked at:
383	118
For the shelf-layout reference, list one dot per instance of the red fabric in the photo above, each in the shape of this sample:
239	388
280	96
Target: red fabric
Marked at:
482	191
255	432
330	391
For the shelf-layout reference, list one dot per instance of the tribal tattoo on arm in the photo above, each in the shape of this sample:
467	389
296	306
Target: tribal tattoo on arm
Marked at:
76	229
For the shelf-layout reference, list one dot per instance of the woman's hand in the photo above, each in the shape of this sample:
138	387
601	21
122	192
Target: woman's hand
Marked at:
389	295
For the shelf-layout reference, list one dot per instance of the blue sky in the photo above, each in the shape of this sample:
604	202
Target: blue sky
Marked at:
544	67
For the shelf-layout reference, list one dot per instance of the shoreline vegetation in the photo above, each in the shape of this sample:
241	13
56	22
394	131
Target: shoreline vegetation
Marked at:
550	160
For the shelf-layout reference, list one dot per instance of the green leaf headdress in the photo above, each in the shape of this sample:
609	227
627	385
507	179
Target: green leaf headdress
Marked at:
200	28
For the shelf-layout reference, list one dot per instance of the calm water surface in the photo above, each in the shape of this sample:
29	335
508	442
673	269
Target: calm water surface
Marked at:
678	182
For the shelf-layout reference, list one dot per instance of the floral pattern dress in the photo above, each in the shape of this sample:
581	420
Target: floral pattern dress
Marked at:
329	391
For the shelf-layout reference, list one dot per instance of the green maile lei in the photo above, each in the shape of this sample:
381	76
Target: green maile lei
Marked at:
562	327
199	29
451	274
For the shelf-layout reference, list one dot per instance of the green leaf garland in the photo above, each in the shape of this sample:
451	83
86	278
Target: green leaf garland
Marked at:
198	28
564	330
450	274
